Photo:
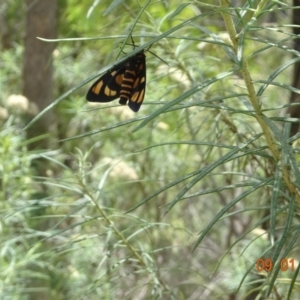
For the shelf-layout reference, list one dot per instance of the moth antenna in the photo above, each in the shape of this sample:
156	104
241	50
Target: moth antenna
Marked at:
148	50
157	56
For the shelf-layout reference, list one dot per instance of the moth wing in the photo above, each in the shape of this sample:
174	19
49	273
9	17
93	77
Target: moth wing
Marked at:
107	88
139	86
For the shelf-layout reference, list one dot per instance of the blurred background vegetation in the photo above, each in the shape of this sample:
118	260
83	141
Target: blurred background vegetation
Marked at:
178	201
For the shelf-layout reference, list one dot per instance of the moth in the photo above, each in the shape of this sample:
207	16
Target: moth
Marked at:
126	81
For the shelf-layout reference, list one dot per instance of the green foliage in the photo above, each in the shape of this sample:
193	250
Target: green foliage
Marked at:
205	171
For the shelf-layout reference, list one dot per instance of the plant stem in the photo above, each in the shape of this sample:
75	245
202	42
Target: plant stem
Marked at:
255	100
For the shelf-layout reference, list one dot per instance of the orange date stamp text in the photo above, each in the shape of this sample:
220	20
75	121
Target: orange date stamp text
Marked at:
266	264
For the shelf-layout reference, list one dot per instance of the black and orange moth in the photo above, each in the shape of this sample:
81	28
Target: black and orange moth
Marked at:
126	81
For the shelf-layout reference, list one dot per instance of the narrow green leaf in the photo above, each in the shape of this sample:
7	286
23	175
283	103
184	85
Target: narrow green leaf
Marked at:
228	206
178	10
